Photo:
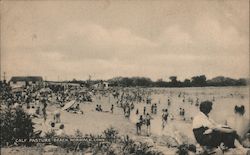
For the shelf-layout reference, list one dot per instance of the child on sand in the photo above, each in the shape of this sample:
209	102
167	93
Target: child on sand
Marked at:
169	103
57	116
61	131
137	111
183	114
52	127
112	108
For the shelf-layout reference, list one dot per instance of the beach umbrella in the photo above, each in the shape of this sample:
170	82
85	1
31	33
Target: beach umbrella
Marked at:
68	105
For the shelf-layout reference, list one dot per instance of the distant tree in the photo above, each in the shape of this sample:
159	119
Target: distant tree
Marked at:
173	79
186	83
196	81
127	82
160	83
242	82
141	81
199	80
226	81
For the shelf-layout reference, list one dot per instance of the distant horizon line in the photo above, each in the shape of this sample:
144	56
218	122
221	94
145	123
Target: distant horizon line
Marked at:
104	79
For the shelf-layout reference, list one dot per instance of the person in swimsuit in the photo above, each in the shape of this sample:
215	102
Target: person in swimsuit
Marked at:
148	123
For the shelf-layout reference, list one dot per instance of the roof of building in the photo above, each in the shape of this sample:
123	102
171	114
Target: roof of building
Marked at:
26	78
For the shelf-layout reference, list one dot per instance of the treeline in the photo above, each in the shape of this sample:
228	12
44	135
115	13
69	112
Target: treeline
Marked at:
196	81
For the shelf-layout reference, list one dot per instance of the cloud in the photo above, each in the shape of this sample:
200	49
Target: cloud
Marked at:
92	41
174	36
78	43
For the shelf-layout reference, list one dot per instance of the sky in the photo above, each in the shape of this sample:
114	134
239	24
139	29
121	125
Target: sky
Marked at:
62	40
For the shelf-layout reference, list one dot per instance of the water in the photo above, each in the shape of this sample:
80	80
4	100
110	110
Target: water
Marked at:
224	99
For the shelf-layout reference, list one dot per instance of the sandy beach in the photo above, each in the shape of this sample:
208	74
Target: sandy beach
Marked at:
93	122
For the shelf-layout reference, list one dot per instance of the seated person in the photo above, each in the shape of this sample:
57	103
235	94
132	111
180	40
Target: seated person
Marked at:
75	109
210	134
52	127
78	110
100	107
97	108
239	122
60	131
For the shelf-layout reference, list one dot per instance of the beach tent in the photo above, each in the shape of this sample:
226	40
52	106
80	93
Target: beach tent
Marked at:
69	105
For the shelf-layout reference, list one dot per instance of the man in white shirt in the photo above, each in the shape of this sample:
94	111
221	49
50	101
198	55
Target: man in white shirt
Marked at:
208	133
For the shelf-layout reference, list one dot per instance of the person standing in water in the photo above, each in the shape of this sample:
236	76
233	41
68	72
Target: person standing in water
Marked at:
152	109
139	124
112	109
148	123
164	118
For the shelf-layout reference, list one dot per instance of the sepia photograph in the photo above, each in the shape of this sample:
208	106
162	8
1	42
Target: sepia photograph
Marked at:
124	77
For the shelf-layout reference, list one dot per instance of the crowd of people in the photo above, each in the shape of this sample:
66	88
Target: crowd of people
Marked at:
35	100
